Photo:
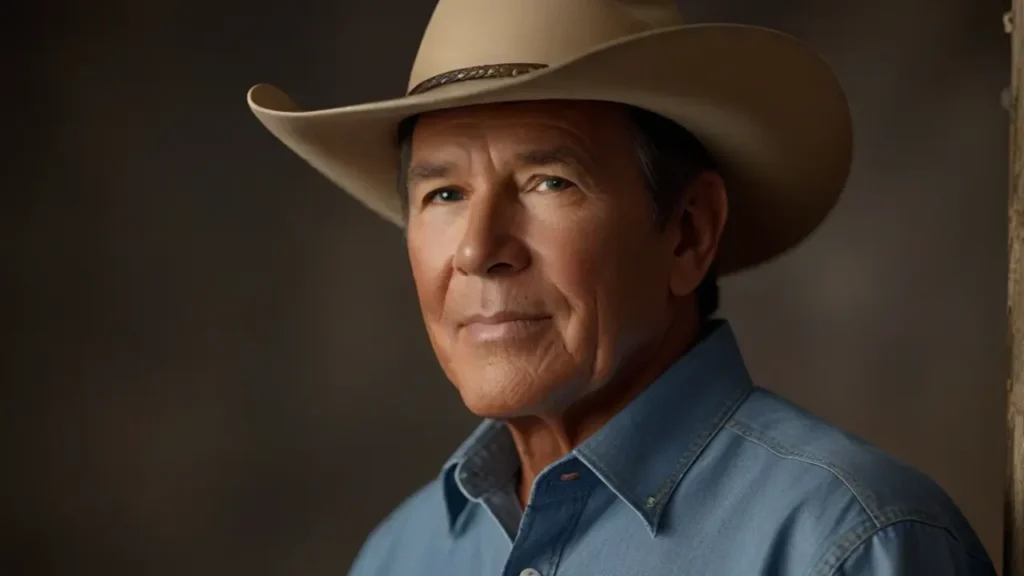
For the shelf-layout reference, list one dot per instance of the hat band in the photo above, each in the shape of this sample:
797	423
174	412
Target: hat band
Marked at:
476	73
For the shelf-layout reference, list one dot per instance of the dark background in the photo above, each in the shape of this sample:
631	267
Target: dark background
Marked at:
218	365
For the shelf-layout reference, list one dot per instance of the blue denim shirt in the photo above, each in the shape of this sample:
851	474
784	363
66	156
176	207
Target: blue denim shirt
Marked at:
702	474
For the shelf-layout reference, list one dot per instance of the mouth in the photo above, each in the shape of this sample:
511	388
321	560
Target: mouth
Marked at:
503	326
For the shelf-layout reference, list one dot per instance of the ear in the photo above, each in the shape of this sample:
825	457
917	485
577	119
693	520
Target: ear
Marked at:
699	220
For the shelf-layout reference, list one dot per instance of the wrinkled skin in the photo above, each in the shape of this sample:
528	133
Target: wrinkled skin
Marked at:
549	294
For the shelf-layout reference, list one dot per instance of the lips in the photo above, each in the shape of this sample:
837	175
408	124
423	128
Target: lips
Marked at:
503	326
502	318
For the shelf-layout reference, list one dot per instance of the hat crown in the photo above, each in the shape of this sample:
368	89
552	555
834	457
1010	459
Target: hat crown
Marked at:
469	33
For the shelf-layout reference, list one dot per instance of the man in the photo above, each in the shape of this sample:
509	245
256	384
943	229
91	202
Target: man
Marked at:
572	175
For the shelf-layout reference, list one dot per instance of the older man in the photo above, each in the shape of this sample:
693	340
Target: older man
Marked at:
565	231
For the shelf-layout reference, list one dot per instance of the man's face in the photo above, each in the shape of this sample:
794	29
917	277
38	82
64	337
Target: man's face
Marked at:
536	258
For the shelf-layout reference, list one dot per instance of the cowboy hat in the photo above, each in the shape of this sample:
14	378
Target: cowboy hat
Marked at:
767	108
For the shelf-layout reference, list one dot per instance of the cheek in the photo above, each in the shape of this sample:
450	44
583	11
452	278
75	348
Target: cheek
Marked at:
430	264
615	290
577	262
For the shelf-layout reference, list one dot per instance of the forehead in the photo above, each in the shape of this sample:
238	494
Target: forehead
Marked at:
583	124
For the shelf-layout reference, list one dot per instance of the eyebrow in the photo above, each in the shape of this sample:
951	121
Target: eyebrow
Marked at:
533	157
550	156
428	171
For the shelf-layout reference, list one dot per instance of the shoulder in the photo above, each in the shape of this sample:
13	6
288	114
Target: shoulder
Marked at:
408	532
882	497
909	546
886	488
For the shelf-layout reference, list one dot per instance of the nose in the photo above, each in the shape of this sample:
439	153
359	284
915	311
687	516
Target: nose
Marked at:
491	244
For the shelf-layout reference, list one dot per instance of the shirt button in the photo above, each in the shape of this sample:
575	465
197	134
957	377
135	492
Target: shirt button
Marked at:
529	572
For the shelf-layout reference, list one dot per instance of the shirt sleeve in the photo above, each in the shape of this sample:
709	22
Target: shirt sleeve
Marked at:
910	548
372	556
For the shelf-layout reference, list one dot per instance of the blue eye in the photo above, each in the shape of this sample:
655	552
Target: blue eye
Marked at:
554	184
443	195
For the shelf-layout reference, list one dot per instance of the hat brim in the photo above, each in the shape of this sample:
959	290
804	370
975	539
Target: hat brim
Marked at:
767	107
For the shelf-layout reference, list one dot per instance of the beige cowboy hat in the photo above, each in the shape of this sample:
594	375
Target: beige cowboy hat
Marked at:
768	109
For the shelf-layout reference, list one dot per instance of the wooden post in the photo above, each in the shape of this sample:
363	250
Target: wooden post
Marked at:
1013	543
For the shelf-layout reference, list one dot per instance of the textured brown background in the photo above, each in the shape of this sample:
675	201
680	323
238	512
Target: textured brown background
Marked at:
218	366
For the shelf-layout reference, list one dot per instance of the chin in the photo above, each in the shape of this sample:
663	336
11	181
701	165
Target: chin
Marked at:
502	390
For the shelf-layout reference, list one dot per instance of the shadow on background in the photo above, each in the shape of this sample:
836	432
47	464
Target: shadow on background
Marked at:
219	366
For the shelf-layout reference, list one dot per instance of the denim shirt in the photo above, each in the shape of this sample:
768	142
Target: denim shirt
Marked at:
701	474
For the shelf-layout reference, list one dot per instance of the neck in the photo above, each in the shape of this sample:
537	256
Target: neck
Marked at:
542	439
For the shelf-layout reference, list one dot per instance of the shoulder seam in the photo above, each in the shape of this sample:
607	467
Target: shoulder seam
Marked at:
777	448
829	567
879	515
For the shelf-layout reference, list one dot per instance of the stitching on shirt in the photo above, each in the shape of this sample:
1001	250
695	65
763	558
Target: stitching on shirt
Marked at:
880	517
612	484
866	499
858	537
696	446
842	548
652	518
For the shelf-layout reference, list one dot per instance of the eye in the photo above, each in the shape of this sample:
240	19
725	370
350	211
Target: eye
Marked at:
554	184
443	195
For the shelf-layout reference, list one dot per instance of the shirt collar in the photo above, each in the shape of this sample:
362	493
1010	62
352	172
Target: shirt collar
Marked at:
642	453
485	462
